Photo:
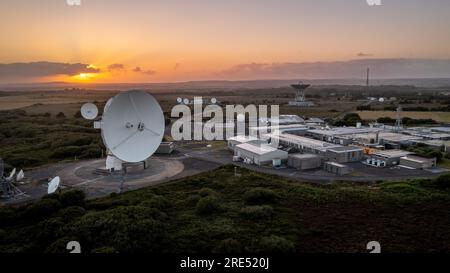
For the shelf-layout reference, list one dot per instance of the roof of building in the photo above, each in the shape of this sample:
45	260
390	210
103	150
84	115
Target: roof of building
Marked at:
281	127
243	138
343	131
417	159
304	156
345	149
392	153
304	141
258	149
283	119
395	137
315	120
441	129
335	164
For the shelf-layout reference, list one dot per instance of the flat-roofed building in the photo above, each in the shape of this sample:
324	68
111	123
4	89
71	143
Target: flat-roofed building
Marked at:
303	144
165	148
239	139
330	135
386	158
282	120
304	161
417	162
336	168
296	129
259	154
345	154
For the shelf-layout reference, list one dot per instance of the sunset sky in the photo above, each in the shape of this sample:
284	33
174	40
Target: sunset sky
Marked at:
169	40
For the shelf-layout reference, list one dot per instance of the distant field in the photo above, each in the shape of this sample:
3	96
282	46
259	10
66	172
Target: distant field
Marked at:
437	116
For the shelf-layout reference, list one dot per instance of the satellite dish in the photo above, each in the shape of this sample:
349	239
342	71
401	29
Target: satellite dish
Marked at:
133	126
11	175
381	99
20	176
53	185
179	100
213	100
89	111
186	101
107	104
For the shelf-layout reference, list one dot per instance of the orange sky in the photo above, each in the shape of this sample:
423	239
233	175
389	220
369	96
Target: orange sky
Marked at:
198	39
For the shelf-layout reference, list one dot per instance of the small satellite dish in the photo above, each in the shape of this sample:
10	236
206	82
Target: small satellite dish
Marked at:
11	174
381	99
133	126
186	101
179	100
53	185
213	100
20	176
89	111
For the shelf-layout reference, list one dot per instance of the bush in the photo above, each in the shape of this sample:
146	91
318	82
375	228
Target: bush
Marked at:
442	182
104	250
257	212
70	213
275	244
206	192
260	196
157	201
42	209
208	205
72	198
60	115
228	245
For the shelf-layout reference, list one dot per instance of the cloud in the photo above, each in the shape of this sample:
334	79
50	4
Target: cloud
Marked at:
112	67
380	68
137	69
362	54
43	69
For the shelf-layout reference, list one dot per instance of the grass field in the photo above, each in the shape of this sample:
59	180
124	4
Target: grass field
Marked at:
220	213
437	116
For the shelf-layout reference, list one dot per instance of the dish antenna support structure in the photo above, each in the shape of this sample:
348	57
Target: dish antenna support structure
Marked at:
300	99
7	186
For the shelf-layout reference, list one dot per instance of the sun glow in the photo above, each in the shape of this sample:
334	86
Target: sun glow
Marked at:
84	76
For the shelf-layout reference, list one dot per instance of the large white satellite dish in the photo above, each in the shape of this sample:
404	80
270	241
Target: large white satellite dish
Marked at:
20	176
133	126
53	185
89	111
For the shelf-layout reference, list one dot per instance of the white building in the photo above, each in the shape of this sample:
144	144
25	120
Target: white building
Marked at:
259	154
240	139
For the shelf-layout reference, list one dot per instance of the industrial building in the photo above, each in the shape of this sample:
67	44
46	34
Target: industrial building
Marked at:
336	168
239	139
165	148
282	120
259	154
345	154
334	135
417	162
296	129
386	158
303	144
304	161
